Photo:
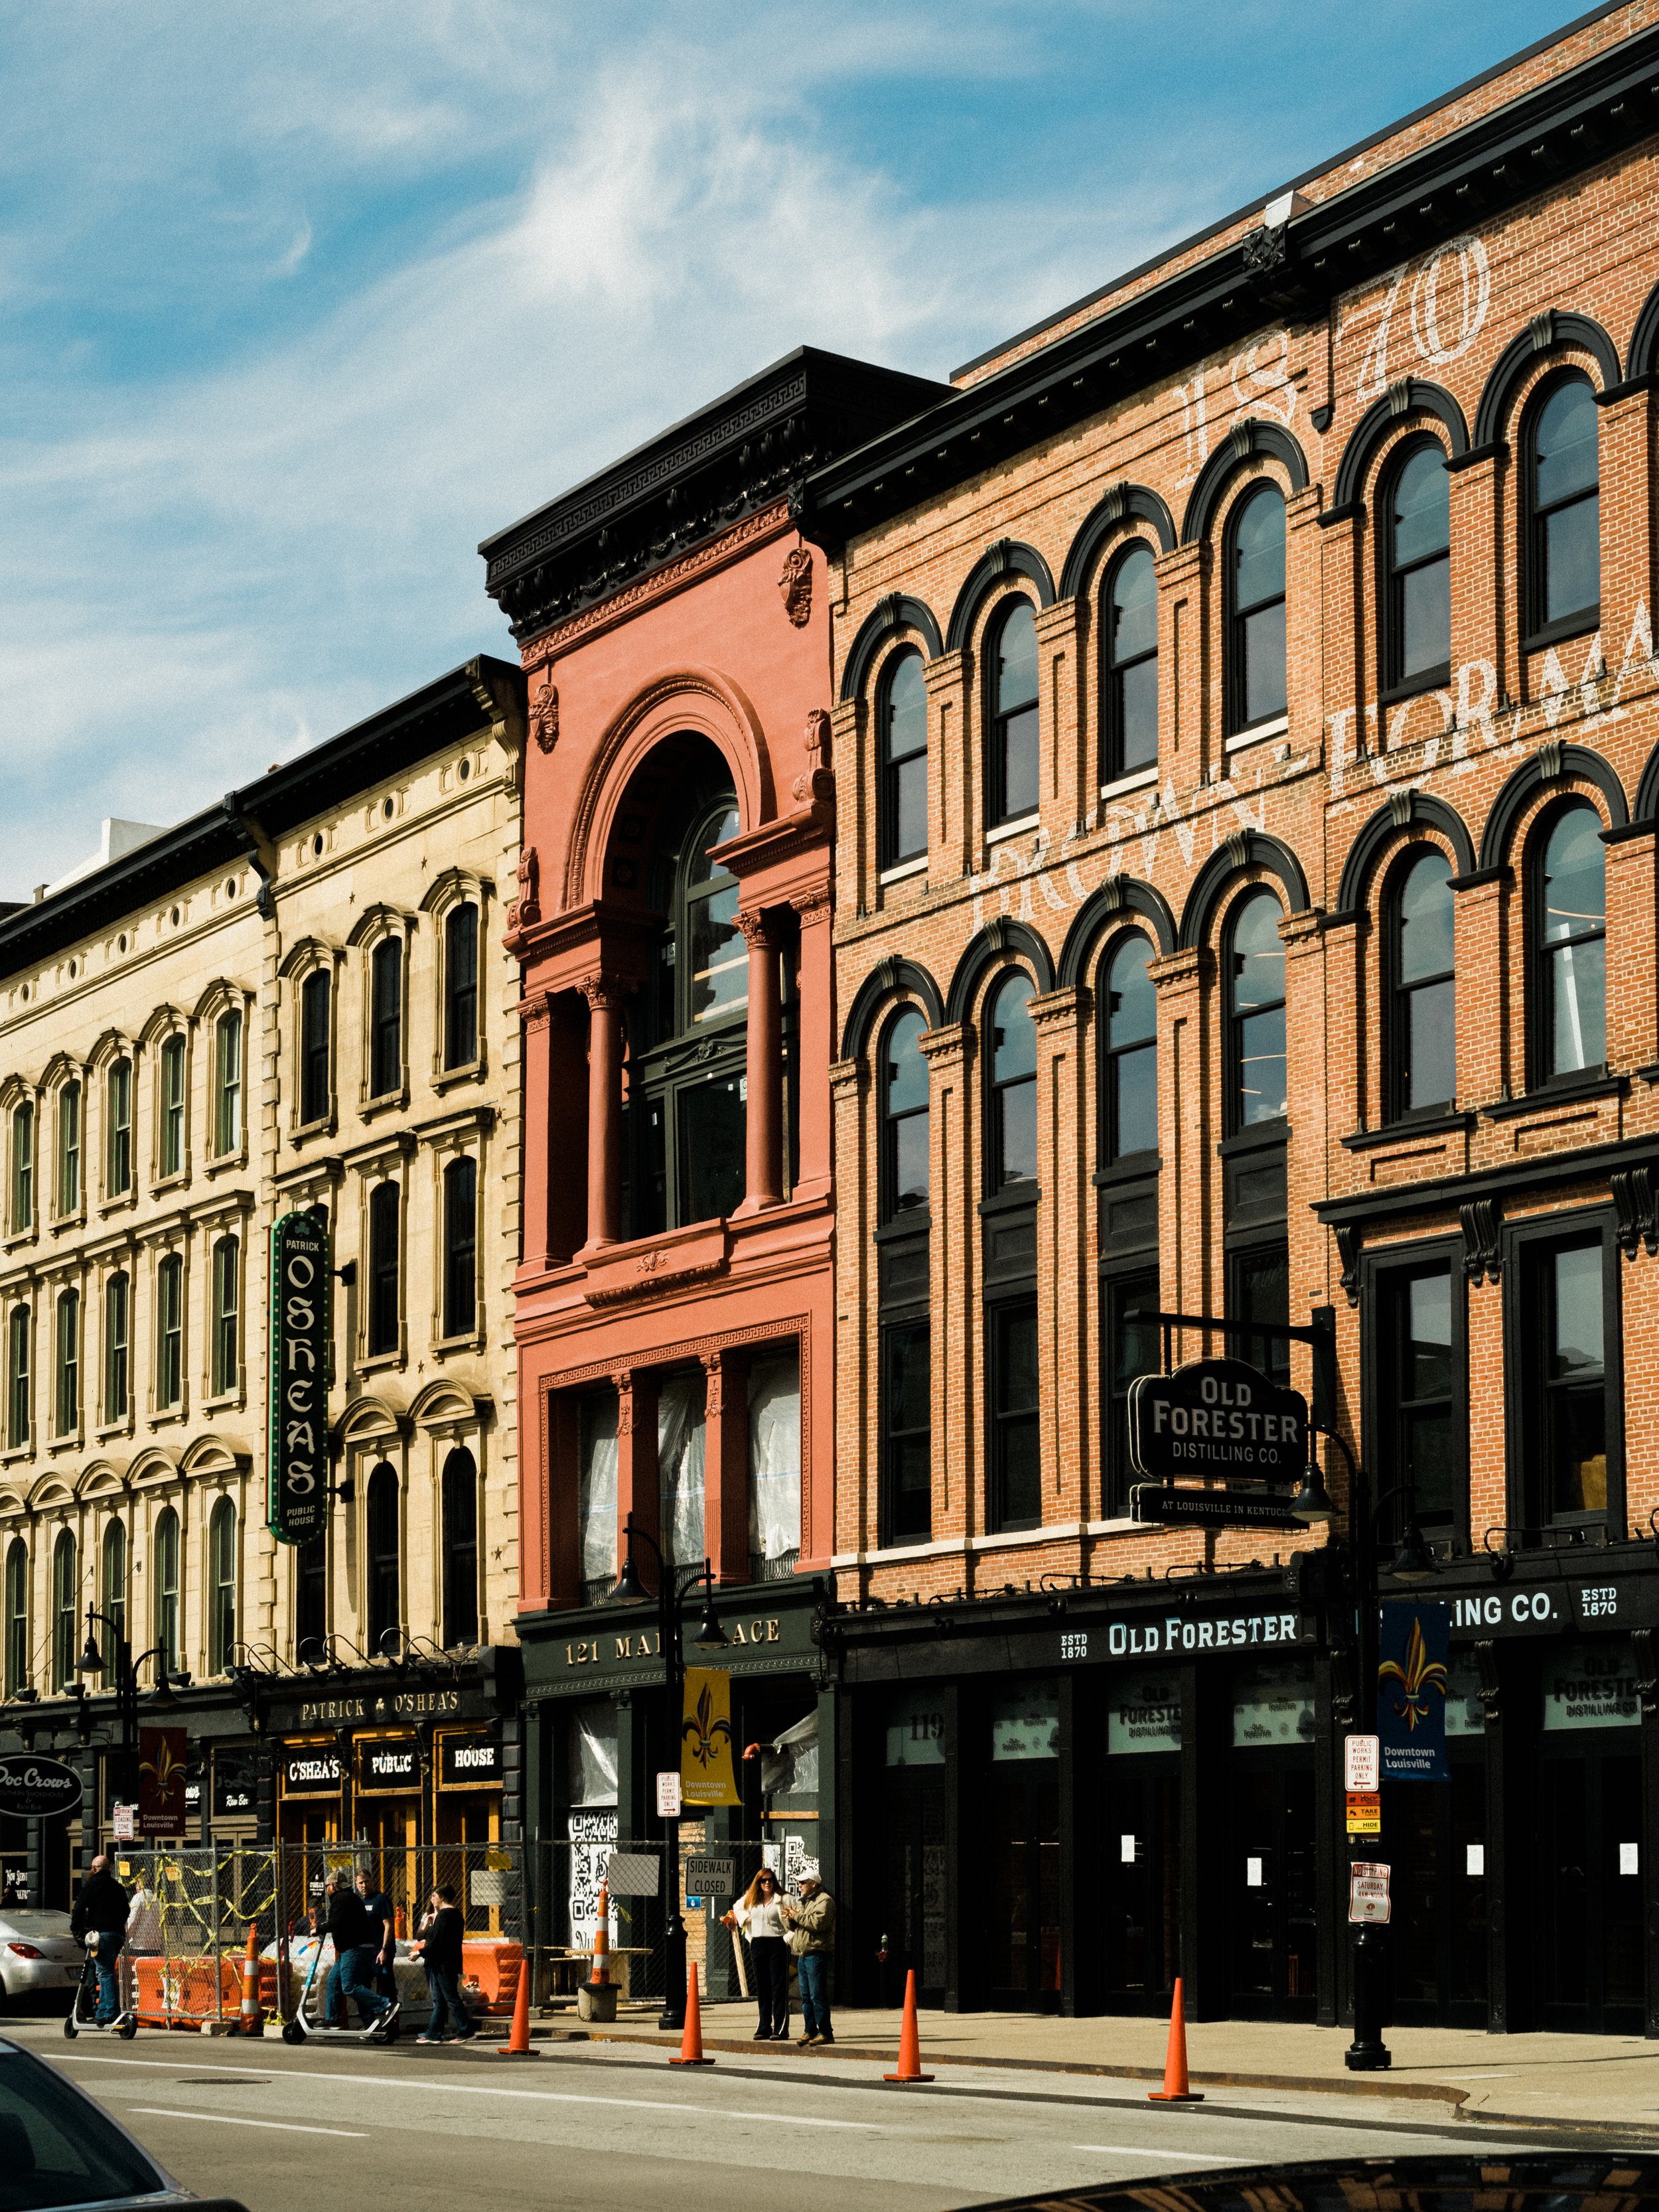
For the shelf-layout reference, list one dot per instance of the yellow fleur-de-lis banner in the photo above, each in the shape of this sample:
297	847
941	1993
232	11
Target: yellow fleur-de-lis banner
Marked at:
705	1772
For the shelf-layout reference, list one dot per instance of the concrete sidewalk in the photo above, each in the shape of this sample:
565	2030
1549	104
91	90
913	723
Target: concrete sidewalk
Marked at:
1603	2081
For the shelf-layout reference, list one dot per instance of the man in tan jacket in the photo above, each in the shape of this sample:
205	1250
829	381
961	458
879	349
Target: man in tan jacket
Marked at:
811	1938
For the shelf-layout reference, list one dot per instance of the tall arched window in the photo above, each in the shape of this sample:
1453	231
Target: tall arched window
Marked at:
170	1331
460	1315
460	1508
1128	674
1255	609
1424	1035
1565	512
384	1583
311	1600
386	1018
1417	590
1256	1011
1013	768
461	986
316	1087
165	1584
69	1149
1569	952
902	719
17	1379
67	1363
117	1114
170	1152
23	1169
385	1269
226	1315
1011	1135
222	1586
904	1155
1129	1121
227	1083
118	1346
65	1608
17	1617
114	1599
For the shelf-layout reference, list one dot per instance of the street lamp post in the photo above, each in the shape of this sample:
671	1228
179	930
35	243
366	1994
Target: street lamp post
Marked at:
673	1588
91	1661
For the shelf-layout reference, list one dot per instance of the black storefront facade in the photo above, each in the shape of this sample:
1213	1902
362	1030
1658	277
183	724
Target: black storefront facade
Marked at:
1061	1800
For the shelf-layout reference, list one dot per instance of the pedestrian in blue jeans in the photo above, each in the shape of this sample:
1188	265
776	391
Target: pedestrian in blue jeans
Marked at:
354	1953
440	1954
101	1910
811	1937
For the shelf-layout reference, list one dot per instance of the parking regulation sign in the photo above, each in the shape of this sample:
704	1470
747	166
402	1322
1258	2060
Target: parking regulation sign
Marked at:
1367	1893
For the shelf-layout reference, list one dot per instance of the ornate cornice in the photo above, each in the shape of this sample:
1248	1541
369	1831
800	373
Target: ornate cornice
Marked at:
742	538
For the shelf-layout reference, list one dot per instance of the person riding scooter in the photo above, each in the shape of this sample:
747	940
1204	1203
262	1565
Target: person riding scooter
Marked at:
353	1975
100	1920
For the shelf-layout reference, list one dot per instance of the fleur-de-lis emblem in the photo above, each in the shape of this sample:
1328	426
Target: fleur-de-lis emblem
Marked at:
704	1729
1416	1678
164	1767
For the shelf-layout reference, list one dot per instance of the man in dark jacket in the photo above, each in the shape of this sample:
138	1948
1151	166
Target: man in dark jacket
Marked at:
440	1954
383	1932
101	1911
353	1973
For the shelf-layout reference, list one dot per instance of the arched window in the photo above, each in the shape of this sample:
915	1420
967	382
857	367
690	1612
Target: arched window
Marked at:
1255	611
171	1151
1128	674
461	1246
384	1592
460	1506
1570	945
222	1586
67	1361
1417	590
114	1603
226	1315
903	724
311	1600
65	1609
1129	1115
385	1033
1256	1011
1013	769
23	1169
118	1346
461	986
17	1379
1010	1148
69	1149
904	1157
316	1088
227	1083
385	1269
170	1331
1424	1035
1565	512
165	1586
17	1617
117	1105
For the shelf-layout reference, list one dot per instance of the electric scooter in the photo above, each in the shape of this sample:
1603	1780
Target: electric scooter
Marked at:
82	2017
303	2029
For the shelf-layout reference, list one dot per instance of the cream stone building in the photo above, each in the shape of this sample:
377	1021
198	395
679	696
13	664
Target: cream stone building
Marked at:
296	999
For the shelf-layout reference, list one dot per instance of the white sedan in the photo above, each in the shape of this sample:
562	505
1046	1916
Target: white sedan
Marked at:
39	1957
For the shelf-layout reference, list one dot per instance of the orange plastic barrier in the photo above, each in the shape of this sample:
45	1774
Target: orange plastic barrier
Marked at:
182	1990
489	1974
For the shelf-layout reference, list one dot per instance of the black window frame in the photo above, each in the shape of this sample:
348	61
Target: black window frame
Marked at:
383	1581
118	1346
460	1226
1111	1056
226	1312
1382	1279
458	1482
25	1123
894	1438
997	1182
386	1018
1580	622
1523	1244
1541	955
1129	1286
19	1330
71	1161
18	1674
169	1331
998	716
1112	671
1001	1419
66	1364
113	1553
1233	1019
887	1206
311	1599
1392	573
223	1589
168	1569
118	1152
172	1062
316	1048
1271	1354
383	1308
1235	657
1396	1026
462	1048
65	1609
889	766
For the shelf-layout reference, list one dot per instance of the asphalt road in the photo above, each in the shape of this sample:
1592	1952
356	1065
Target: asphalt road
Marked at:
595	2128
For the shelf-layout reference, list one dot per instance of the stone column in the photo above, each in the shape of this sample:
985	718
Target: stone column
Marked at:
536	1013
604	994
815	1043
763	1123
954	1283
638	1478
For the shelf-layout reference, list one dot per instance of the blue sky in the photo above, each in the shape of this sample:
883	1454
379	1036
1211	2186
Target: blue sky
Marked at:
299	301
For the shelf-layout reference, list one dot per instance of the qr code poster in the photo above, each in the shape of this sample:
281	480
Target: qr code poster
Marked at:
795	1856
592	1840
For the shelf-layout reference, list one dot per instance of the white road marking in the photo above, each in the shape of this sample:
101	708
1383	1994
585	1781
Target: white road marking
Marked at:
1157	2151
230	2120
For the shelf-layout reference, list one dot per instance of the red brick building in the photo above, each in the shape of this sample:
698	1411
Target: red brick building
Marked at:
1246	744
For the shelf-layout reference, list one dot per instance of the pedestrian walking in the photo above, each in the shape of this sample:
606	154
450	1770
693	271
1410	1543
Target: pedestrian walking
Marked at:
383	1919
811	1918
100	1911
352	1975
440	1954
759	1913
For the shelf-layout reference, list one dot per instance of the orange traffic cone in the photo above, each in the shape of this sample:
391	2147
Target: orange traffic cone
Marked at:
691	2041
517	2044
909	2065
1175	2090
253	2020
602	1940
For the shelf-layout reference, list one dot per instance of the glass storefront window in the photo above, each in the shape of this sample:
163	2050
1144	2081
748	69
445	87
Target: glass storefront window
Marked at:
915	1730
1143	1713
1025	1722
1591	1686
1465	1714
1272	1704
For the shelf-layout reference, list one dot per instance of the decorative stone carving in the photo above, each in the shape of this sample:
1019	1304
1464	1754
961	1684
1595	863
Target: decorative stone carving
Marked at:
544	716
526	909
796	585
817	781
1482	1223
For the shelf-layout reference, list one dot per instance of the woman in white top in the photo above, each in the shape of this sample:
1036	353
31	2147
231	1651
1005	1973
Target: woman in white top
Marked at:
759	1913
